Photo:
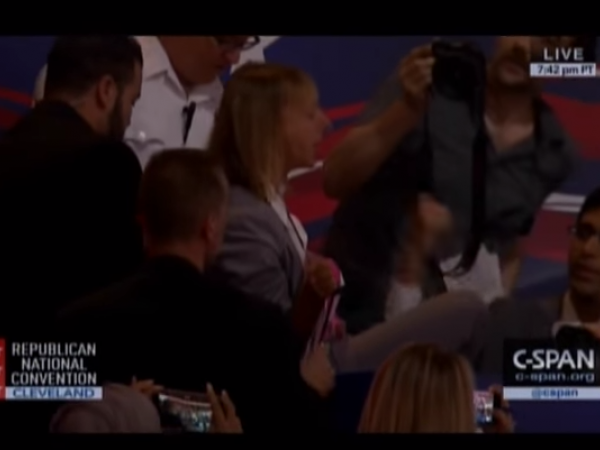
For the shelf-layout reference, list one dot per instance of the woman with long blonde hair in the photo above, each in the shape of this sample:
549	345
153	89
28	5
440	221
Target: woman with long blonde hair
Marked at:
268	124
424	389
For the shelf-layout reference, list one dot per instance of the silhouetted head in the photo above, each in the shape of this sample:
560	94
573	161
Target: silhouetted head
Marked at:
421	389
584	250
183	204
100	76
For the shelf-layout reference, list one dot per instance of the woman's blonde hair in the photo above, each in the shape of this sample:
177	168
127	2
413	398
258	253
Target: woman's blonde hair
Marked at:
421	389
247	136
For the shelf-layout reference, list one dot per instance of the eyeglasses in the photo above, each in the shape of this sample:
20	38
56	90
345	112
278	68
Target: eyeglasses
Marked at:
584	232
227	45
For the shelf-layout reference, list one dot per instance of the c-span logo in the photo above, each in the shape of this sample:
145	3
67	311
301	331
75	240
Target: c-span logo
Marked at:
538	370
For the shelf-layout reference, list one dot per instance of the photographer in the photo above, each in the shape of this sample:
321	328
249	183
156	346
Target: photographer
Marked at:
530	156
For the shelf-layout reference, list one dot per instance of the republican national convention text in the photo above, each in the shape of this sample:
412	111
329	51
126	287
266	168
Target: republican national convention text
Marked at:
48	371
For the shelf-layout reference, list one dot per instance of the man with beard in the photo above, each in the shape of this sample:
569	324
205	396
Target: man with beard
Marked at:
181	90
529	156
68	183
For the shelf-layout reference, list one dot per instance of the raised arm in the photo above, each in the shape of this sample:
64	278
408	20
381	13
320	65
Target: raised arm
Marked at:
391	115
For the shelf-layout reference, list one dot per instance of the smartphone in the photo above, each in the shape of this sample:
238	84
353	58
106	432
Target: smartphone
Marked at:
485	402
183	411
323	328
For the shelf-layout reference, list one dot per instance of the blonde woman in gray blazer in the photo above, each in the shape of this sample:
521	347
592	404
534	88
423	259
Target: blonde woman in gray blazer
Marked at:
268	124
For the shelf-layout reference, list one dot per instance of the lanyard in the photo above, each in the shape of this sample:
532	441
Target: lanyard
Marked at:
292	223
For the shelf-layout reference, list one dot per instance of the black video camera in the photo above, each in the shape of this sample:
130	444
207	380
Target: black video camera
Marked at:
459	71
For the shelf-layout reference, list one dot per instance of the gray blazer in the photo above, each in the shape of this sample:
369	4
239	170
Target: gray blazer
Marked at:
517	319
258	256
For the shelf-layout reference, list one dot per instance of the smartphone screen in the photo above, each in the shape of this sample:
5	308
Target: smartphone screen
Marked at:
484	407
184	411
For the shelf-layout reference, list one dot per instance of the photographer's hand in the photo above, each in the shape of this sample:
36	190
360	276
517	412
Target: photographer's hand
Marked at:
435	220
224	417
432	223
146	387
503	421
317	372
415	77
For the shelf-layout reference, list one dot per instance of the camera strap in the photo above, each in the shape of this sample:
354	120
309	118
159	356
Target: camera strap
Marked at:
479	158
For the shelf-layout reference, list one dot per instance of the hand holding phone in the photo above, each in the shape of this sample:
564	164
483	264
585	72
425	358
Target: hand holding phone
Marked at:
185	411
485	403
317	371
224	417
492	411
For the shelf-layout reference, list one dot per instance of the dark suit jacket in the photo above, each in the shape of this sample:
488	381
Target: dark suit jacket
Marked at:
67	202
517	319
170	323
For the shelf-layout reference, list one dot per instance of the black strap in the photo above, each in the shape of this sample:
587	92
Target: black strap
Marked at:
188	117
479	150
479	159
479	155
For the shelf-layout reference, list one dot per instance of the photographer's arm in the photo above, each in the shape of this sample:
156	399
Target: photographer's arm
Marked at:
387	119
510	265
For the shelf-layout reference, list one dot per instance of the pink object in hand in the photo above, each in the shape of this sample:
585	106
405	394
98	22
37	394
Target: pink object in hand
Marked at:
337	327
335	272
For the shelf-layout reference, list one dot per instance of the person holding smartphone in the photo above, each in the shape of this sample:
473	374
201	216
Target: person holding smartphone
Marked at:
173	323
424	389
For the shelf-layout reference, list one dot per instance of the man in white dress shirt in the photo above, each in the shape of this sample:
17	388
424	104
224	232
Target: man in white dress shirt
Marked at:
181	90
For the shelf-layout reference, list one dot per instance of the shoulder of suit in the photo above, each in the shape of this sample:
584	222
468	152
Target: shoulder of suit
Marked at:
112	151
525	312
251	306
249	211
257	312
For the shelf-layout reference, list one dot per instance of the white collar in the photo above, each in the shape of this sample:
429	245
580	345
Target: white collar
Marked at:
156	61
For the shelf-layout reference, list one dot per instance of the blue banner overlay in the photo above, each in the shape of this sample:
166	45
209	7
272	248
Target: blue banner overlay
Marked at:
551	393
54	393
541	370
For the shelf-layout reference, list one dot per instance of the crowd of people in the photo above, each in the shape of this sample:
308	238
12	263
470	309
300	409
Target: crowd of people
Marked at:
144	208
